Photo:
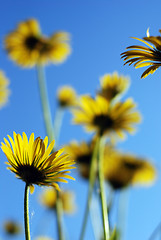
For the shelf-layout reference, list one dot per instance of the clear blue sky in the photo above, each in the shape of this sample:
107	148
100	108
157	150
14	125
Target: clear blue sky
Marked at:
100	31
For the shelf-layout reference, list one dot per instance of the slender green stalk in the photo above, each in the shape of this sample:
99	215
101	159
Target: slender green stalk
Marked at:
50	133
57	123
122	211
106	229
59	211
26	212
44	102
92	177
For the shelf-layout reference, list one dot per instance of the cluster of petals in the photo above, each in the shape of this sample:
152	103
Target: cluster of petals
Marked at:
35	163
28	47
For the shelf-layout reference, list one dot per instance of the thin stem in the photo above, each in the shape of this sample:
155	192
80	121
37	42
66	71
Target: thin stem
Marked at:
156	230
50	133
58	122
92	177
26	213
44	102
59	211
122	211
106	229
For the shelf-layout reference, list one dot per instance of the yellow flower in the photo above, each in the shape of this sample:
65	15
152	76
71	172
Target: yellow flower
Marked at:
4	91
49	196
144	56
100	116
28	47
113	85
66	96
12	227
81	153
33	162
121	170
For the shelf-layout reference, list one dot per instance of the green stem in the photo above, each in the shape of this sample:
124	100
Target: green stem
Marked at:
26	212
59	211
45	103
106	229
57	123
92	177
50	133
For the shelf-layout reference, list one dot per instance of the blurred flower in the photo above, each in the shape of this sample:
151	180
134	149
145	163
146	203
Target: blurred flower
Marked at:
28	47
121	170
99	115
145	56
66	96
49	196
81	153
112	85
12	227
33	162
4	91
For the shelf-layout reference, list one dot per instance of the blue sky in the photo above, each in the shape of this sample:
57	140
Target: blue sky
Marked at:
100	31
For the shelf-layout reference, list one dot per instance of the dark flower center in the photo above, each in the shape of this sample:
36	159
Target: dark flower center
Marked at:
116	184
30	174
84	158
104	122
132	165
32	42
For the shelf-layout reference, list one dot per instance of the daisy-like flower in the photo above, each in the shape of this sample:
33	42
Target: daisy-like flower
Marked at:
81	153
28	47
113	85
121	170
143	56
4	91
66	96
49	196
100	116
12	227
32	161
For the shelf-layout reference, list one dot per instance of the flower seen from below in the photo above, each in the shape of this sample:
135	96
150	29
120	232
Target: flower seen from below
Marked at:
113	85
121	170
35	163
66	96
28	47
100	116
49	196
81	153
145	56
12	227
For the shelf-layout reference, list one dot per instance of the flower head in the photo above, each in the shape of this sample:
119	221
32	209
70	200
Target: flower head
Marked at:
143	56
33	162
121	170
4	91
28	47
66	96
81	153
49	196
12	227
100	116
112	85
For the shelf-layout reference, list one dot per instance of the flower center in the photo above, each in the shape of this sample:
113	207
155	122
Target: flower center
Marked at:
84	158
32	42
104	122
30	174
132	165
